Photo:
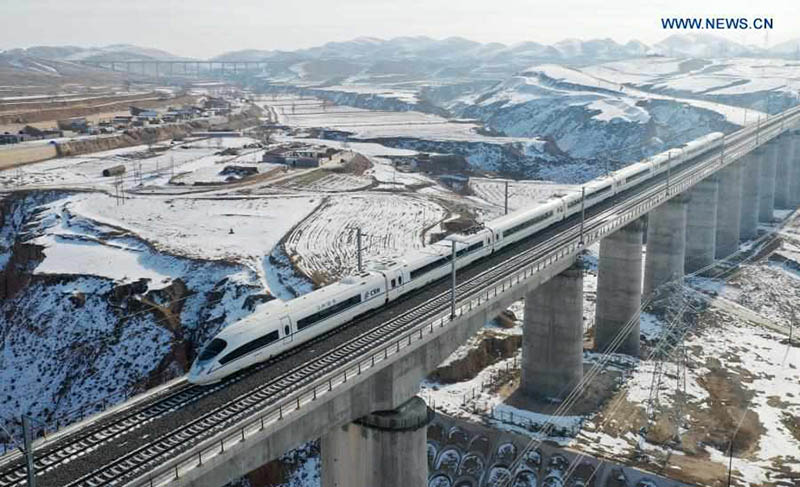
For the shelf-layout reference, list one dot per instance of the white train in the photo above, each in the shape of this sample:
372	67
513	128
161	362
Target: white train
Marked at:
278	326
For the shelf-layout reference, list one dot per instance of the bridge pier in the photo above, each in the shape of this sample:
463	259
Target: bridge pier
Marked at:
769	161
386	448
701	225
666	244
794	169
619	289
782	172
729	210
552	337
748	222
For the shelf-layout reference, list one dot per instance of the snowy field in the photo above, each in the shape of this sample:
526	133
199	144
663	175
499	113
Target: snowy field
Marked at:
373	124
391	225
521	194
186	162
77	338
713	77
602	88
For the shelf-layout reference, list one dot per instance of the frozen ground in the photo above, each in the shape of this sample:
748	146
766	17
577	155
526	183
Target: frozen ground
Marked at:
735	373
325	243
716	76
376	124
521	194
104	314
183	163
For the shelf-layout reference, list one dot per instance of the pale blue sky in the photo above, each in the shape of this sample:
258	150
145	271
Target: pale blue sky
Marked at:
204	28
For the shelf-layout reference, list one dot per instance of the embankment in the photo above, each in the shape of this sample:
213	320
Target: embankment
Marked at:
128	138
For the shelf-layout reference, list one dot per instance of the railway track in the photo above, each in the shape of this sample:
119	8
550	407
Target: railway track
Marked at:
176	441
181	438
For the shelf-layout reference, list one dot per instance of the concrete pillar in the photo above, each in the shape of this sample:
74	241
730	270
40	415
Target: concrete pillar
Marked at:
386	448
552	337
666	244
729	209
782	173
794	170
769	160
751	184
619	289
701	225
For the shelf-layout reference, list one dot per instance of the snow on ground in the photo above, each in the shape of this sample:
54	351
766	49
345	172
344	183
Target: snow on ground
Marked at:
374	124
200	227
408	96
392	224
324	182
148	169
387	175
366	148
618	108
77	335
521	194
602	88
242	230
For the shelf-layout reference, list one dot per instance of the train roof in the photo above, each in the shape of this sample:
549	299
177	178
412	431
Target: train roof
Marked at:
524	213
276	308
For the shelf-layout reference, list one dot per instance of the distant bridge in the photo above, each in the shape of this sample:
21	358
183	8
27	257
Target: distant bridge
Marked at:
180	68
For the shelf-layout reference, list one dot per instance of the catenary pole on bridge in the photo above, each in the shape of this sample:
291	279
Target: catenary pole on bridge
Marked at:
359	250
506	199
27	437
453	277
583	210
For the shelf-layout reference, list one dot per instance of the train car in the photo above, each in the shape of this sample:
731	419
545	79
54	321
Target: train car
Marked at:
632	175
706	143
596	191
523	223
278	326
434	261
661	162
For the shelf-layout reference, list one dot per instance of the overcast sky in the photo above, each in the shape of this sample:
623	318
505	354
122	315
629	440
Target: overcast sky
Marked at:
204	28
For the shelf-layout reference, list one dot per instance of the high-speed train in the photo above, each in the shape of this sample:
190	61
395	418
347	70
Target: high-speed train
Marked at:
280	325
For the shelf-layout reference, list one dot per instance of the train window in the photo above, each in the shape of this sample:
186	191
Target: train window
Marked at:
400	280
469	249
250	347
393	283
599	191
429	267
637	175
286	330
526	224
212	349
326	312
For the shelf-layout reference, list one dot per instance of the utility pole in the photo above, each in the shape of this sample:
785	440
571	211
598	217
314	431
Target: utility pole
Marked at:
669	169
758	129
27	436
358	246
506	199
453	283
583	211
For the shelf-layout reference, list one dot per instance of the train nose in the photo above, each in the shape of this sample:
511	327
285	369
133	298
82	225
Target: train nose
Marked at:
196	373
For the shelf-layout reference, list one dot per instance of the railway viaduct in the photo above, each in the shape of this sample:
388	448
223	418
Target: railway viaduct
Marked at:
373	431
180	68
365	409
